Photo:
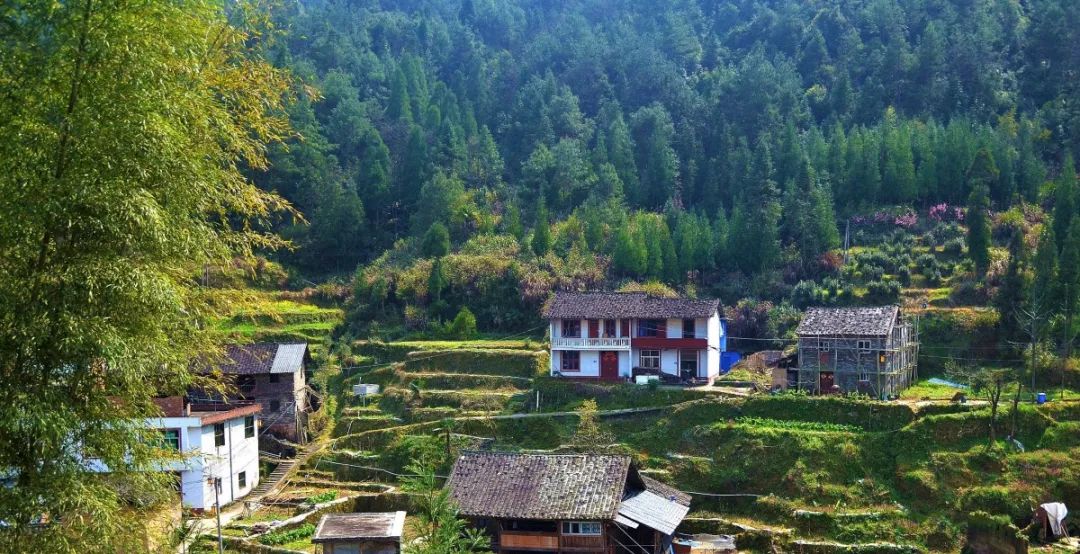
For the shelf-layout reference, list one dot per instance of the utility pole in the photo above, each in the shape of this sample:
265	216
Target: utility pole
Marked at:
216	481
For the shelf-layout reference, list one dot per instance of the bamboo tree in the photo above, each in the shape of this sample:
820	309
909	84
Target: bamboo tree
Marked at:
133	122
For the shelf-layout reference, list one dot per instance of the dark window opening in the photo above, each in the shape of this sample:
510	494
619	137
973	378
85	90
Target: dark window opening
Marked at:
609	328
650	327
571	361
688	363
275	405
689	329
249	427
530	525
275	377
241	479
219	434
571	328
245	384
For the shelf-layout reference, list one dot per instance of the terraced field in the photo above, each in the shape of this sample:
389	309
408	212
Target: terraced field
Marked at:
782	473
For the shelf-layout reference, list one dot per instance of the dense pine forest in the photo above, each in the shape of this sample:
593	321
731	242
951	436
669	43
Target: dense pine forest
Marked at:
400	185
720	146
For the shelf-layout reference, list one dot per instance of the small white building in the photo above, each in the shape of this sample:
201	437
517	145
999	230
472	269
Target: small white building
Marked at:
615	336
218	441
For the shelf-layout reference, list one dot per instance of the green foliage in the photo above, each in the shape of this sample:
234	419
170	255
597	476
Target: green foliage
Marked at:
463	327
978	237
589	437
798	425
292	535
438	528
322	497
541	240
436	241
135	120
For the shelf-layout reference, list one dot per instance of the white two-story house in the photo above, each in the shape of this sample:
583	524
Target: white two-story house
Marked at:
614	336
219	441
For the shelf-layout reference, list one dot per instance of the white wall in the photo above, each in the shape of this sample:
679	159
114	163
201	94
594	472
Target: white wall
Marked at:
625	363
208	461
590	364
715	330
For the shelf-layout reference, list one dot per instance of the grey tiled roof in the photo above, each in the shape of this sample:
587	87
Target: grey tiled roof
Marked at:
266	357
538	486
608	305
871	321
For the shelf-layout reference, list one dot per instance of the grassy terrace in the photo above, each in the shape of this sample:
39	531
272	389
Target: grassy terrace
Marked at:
903	476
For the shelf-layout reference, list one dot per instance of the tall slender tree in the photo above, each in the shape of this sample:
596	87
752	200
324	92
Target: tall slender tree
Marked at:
134	120
978	222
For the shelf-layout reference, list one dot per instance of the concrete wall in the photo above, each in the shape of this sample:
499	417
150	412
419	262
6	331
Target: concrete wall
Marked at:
206	461
708	359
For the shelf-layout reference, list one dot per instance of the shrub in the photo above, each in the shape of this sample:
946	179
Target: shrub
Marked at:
872	273
285	537
322	497
805	294
883	291
904	274
463	327
925	261
954	247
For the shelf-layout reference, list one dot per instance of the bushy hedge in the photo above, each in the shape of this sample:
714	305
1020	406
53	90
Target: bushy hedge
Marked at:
1062	436
866	414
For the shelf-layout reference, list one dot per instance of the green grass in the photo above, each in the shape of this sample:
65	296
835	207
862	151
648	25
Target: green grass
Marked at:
923	390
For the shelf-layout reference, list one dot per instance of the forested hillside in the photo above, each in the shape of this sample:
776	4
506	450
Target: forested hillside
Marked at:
478	153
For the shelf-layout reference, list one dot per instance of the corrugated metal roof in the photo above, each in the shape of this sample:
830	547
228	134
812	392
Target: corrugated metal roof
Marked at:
289	358
654	511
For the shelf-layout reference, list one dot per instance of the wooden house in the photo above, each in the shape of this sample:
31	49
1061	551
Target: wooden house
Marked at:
872	350
360	533
579	503
615	336
272	375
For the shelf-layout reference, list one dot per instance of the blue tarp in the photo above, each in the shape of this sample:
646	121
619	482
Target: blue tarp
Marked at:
728	359
936	381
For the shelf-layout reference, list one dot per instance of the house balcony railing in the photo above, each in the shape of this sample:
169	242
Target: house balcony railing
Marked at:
578	343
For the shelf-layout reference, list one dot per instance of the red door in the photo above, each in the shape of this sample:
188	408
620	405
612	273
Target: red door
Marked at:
609	366
826	383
